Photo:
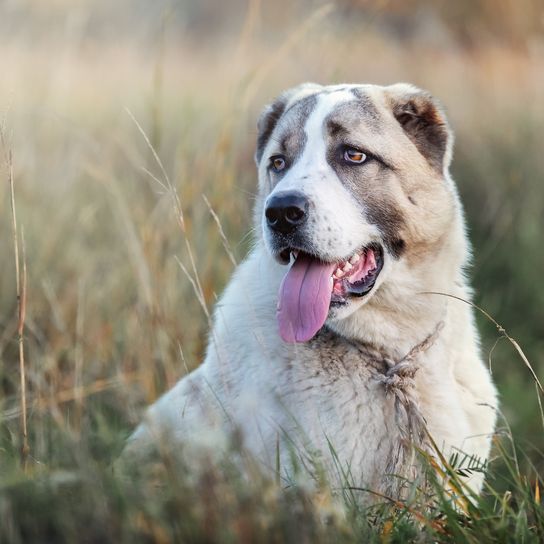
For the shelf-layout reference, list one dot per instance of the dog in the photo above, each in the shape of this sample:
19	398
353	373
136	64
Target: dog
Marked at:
346	333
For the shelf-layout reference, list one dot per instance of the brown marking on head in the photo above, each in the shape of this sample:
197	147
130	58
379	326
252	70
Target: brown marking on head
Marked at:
267	123
270	116
391	222
424	122
353	123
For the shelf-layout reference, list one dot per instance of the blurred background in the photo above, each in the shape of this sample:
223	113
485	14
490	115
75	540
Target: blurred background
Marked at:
87	87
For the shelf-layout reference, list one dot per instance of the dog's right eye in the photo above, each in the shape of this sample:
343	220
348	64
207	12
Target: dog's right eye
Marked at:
277	163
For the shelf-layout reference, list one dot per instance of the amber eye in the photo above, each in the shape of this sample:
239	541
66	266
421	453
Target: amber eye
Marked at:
277	163
354	156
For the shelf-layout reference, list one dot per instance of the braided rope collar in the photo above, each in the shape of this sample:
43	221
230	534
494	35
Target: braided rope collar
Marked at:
398	379
397	375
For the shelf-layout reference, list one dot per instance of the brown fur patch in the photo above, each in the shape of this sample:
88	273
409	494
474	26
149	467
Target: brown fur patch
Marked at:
425	125
267	123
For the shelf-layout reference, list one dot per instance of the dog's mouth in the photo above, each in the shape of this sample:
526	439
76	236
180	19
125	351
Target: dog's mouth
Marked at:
311	286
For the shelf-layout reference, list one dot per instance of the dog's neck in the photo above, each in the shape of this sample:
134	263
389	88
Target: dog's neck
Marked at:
385	327
400	317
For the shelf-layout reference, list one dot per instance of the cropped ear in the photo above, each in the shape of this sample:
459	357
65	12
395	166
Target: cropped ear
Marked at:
424	122
272	113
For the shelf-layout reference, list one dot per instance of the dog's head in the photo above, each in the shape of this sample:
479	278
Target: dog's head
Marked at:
354	195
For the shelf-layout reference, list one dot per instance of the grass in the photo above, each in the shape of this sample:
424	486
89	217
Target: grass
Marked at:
112	320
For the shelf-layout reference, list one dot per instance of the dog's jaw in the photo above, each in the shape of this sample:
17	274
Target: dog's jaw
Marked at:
311	288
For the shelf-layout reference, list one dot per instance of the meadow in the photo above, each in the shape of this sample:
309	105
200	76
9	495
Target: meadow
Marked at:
108	115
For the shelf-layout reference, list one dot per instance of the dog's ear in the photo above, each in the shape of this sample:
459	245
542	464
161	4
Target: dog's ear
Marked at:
424	122
267	123
272	113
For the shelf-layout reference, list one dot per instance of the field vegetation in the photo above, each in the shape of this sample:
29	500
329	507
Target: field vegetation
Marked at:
109	110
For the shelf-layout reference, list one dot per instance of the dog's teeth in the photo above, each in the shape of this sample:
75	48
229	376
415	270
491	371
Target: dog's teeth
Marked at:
354	259
295	253
338	273
347	267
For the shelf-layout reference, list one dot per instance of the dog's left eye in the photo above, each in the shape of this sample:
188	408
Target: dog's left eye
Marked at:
277	163
354	156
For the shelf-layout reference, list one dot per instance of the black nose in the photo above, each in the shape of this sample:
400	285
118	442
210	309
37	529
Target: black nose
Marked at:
286	211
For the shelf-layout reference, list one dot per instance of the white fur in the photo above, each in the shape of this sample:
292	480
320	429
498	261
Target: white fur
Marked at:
277	393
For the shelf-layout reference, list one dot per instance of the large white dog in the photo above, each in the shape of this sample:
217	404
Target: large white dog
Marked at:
328	340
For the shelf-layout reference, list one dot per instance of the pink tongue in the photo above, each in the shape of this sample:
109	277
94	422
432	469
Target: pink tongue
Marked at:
304	299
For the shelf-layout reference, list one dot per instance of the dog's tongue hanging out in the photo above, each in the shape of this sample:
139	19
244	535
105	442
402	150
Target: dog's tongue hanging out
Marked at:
304	298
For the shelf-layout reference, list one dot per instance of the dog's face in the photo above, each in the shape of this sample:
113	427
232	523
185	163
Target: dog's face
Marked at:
354	195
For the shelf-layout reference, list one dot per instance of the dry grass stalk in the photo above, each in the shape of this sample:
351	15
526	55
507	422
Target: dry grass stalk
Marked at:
40	404
502	332
21	306
222	234
167	183
170	188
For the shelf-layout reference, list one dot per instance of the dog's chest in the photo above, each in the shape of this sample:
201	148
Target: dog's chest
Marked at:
335	392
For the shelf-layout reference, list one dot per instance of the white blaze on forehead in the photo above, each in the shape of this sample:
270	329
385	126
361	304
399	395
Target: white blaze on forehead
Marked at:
315	150
336	223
